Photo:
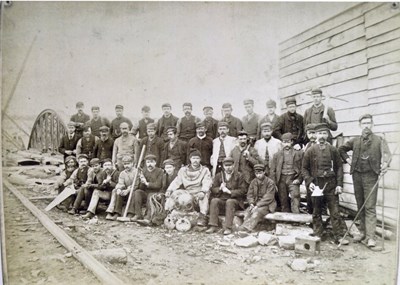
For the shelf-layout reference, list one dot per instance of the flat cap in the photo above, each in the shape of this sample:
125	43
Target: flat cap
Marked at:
259	167
151	126
150	157
95	108
365	116
168	162
223	124
82	156
310	127
79	104
227	105
194	152
69	158
94	161
290	101
228	161
200	125
104	129
106	160
266	125
316	91
321	127
242	133
171	129
187	104
127	158
146	109
287	137
166	105
119	107
71	124
271	103
248	101
208	107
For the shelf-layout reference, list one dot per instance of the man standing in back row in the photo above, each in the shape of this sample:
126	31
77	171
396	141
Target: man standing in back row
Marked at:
234	124
186	126
167	120
116	123
250	121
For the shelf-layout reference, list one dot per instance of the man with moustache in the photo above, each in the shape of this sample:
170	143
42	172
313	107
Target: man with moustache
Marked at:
371	156
234	124
80	118
125	145
154	145
175	149
270	117
141	127
87	143
250	121
167	120
186	126
202	143
210	123
104	146
311	137
97	121
116	123
170	173
69	141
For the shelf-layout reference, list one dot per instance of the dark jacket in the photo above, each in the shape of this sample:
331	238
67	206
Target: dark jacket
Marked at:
266	119
310	165
243	165
115	131
375	148
67	144
155	147
104	149
277	164
163	124
166	180
96	124
154	179
235	125
109	186
262	193
331	114
204	146
142	127
177	153
212	127
236	184
285	124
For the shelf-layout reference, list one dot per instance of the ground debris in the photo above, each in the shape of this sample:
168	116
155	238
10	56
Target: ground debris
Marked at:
249	241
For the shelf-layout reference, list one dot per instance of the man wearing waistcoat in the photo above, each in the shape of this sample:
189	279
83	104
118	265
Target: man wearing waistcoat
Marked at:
186	126
104	147
250	121
86	143
210	123
167	120
271	117
154	145
69	141
234	124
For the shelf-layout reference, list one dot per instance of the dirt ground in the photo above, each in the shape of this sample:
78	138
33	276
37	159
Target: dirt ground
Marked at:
159	256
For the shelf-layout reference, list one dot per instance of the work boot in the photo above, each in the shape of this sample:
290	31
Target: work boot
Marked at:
135	218
342	241
72	211
227	232
358	238
112	217
212	229
371	242
202	220
144	222
88	215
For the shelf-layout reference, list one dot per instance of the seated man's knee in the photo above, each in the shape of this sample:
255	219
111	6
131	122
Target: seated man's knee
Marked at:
214	201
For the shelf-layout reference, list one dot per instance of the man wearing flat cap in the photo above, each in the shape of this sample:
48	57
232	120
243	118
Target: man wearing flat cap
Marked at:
371	156
222	147
250	121
175	149
210	123
234	124
228	193
186	126
319	113
97	121
116	123
80	118
167	120
154	145
322	169
125	145
170	173
141	127
202	143
290	122
104	146
69	141
87	143
271	117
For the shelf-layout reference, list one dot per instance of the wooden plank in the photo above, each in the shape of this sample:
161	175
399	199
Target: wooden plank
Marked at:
388	69
98	269
384	59
380	14
383	48
383	108
383	27
384	91
343	50
387	128
335	65
324	45
322	36
387	80
351	114
388	118
337	20
328	79
385	99
395	34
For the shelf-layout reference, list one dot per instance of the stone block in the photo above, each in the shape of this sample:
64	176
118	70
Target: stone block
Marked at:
249	241
290	230
266	239
287	242
307	245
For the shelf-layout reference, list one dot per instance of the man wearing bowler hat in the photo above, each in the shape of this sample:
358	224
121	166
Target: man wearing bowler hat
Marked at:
234	124
210	123
116	123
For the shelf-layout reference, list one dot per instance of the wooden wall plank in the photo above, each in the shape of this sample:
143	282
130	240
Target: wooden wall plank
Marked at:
380	14
388	69
387	90
387	128
383	81
388	118
395	34
384	59
384	99
324	45
383	48
383	27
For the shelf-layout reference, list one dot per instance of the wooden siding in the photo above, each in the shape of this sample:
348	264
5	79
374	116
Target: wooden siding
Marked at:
355	56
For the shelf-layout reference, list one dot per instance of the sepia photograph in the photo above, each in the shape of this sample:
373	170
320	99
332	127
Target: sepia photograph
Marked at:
200	143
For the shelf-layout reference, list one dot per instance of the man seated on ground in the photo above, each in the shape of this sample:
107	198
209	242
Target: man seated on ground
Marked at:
121	190
107	180
169	175
261	198
70	166
229	192
196	179
85	192
78	178
86	144
150	183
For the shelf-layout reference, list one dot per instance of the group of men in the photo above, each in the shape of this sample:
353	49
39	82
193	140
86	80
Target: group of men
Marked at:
255	164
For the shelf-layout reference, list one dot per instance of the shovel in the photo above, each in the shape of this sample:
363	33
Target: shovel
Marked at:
61	197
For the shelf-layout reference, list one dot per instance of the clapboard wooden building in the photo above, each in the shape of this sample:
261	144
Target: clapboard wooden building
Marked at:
354	56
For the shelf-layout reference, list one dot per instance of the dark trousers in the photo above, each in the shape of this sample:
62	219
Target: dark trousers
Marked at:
83	194
140	198
285	186
119	203
309	201
230	206
363	185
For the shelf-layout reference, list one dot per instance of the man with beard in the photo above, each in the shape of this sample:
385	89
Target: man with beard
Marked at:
210	123
106	182
122	190
125	145
170	174
70	167
370	159
234	124
245	157
196	179
311	137
175	149
270	117
222	147
250	121
229	192
116	123
69	141
154	145
141	127
167	120
87	143
104	146
97	122
323	169
186	126
267	146
202	143
286	173
150	183
80	118
290	122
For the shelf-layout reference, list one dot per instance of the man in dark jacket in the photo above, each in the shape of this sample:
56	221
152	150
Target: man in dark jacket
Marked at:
175	149
104	147
229	192
202	143
167	120
141	127
234	124
271	117
290	122
87	143
116	123
371	157
97	122
154	145
69	141
322	169
80	118
170	174
210	123
250	121
186	126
